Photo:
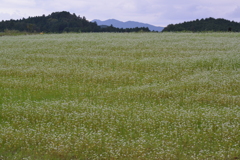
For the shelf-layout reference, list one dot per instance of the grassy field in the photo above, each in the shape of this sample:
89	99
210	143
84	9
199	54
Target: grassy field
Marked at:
120	96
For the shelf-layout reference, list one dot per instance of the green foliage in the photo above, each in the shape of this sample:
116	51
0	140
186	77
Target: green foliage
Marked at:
13	33
59	22
203	25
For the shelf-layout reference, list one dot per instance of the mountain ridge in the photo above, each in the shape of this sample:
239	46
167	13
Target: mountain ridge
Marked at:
203	25
127	24
61	22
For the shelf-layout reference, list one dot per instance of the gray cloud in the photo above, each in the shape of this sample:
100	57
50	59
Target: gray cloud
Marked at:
157	12
235	13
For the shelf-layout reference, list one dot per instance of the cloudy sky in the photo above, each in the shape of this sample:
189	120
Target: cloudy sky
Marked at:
155	12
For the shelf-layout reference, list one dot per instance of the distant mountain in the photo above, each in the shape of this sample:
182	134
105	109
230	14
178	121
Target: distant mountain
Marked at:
128	24
207	24
61	22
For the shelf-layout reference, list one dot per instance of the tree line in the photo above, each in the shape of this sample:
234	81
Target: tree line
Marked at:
208	24
59	22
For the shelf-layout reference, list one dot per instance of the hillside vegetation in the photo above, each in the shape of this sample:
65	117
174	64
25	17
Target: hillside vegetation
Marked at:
59	22
120	96
208	24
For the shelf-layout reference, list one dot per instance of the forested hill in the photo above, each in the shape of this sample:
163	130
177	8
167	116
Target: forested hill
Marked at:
59	22
208	24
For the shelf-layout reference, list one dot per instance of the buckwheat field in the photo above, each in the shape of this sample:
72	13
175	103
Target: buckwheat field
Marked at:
160	96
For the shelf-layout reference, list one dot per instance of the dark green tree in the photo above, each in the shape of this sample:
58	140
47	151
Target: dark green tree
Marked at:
208	24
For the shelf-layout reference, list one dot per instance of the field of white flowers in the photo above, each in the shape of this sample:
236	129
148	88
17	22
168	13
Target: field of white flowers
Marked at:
120	96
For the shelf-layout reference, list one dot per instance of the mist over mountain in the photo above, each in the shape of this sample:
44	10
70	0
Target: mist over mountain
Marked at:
128	24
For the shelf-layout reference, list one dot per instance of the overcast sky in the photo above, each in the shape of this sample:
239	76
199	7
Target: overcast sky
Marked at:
155	12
